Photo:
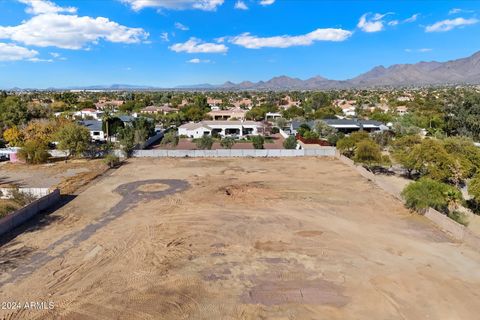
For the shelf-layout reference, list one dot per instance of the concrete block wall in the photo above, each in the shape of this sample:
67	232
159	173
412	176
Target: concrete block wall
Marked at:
18	217
447	225
321	152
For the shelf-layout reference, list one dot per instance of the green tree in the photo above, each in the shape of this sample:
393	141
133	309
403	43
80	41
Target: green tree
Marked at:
171	138
432	160
258	142
402	152
347	145
368	153
474	187
205	142
13	111
227	142
73	138
290	143
34	152
126	138
425	192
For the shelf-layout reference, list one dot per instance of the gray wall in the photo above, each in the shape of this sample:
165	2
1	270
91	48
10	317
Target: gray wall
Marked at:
324	151
20	216
6	193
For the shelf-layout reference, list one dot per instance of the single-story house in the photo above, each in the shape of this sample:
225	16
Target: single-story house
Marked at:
158	110
89	113
351	125
272	116
342	125
234	113
223	128
96	129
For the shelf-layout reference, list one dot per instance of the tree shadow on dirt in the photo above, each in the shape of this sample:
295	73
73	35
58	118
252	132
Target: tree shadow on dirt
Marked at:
39	221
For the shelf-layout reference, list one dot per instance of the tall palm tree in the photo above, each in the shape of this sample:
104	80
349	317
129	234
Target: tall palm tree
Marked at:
107	116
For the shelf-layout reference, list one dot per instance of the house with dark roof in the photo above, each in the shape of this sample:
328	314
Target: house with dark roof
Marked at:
96	129
342	125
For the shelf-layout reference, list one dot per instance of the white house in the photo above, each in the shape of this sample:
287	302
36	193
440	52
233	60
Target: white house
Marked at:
89	113
223	128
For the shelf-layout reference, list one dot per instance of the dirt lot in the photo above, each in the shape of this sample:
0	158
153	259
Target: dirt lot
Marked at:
238	239
68	176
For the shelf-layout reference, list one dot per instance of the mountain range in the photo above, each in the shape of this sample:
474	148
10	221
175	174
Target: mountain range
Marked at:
459	71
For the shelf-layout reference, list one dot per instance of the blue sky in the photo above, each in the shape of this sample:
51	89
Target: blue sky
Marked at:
168	43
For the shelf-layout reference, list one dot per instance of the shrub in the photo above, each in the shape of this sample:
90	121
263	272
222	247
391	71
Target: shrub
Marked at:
474	187
425	192
170	138
34	152
310	135
459	217
275	130
290	143
258	142
227	142
205	142
111	160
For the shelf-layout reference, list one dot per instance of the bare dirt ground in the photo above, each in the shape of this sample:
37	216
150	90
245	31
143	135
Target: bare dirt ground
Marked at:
68	176
241	238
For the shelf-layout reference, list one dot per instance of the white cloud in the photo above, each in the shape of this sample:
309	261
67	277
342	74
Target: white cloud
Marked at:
164	36
12	52
40	60
458	10
197	60
413	18
373	24
181	26
422	50
70	31
44	6
55	54
206	5
449	24
240	5
253	42
266	2
393	23
194	45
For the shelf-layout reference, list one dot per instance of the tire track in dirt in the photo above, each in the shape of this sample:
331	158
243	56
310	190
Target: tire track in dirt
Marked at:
131	194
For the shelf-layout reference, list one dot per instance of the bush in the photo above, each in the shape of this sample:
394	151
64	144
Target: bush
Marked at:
459	217
170	138
290	143
227	143
258	142
34	152
310	135
275	130
205	142
425	192
111	160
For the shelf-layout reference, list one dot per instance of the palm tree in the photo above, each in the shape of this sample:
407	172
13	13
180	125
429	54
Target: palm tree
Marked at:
107	116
